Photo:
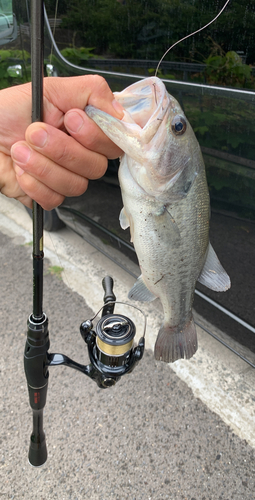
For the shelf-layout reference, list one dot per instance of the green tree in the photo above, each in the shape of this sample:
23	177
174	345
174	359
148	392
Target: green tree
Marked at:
146	28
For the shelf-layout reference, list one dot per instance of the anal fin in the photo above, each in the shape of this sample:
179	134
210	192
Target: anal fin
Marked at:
213	275
140	292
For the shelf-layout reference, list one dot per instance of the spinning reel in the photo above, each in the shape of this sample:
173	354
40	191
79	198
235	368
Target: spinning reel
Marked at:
111	351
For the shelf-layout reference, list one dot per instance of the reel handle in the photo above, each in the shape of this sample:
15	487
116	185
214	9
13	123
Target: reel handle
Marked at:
109	296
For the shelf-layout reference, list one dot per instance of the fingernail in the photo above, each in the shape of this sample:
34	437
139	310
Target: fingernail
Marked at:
20	154
18	170
73	121
117	106
38	137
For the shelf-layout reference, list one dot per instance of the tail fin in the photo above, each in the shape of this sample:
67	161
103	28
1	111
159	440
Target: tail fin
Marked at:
175	343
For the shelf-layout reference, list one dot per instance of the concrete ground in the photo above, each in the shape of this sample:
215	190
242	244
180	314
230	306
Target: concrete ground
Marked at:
181	432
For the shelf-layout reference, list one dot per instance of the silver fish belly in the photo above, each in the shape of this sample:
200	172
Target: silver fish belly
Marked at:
166	206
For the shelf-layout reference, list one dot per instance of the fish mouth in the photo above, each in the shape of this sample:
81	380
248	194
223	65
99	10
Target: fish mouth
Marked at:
144	100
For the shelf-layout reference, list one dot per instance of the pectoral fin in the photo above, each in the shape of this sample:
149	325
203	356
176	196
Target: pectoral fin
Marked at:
140	292
124	221
213	275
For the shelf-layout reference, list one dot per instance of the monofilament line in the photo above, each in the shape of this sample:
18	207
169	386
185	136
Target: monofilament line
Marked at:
191	34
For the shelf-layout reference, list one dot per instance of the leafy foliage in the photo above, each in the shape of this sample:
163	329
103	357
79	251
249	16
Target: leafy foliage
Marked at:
227	68
146	28
12	57
77	56
223	124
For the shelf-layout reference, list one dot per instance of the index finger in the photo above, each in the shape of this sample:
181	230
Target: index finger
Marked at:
65	93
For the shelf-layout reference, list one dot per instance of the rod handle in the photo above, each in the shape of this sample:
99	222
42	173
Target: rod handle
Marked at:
37	454
37	375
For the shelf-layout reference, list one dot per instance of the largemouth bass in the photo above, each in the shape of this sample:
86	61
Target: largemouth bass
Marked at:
166	205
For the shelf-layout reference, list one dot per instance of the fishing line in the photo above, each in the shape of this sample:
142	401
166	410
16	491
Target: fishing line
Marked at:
54	29
191	34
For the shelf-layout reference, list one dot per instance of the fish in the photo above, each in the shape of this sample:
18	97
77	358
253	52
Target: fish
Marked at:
167	208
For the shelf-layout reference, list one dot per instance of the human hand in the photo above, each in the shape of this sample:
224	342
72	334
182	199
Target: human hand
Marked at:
47	161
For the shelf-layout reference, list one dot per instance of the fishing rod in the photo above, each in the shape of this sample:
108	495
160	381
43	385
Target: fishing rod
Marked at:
111	344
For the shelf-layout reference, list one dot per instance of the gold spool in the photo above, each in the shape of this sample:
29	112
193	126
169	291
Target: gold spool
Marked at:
113	350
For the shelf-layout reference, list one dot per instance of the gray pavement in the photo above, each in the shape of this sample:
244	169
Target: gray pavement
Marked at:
148	437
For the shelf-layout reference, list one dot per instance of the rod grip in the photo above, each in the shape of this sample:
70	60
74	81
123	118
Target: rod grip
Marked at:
37	374
37	454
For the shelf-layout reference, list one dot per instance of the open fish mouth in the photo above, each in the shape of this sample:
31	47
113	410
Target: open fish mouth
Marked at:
144	100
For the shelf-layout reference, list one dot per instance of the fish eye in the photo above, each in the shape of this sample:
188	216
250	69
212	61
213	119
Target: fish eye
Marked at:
179	125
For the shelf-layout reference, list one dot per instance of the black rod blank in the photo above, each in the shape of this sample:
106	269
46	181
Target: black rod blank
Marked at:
37	50
37	343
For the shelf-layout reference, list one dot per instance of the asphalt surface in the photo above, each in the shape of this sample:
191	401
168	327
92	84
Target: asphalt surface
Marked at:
148	437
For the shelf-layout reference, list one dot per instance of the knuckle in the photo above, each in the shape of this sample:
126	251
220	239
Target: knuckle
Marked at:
44	169
52	201
91	140
78	186
99	169
62	154
34	189
99	90
98	82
